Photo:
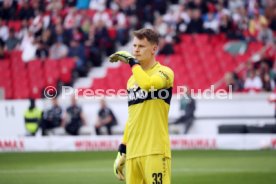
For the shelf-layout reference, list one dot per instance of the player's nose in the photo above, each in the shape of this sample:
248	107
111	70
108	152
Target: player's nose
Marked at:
136	52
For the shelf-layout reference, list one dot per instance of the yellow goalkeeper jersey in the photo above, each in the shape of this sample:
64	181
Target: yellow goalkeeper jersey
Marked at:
149	96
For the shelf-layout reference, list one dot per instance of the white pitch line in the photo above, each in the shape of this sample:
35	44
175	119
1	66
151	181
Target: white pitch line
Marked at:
102	170
62	170
220	170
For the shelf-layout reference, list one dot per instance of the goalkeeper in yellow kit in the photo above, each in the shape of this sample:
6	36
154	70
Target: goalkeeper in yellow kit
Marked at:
145	150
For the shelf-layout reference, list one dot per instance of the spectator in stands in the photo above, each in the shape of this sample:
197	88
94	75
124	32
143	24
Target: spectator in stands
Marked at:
85	23
265	34
77	51
198	4
4	31
233	82
23	31
255	24
8	10
161	26
2	43
47	38
97	5
54	5
58	33
144	13
82	4
101	19
166	46
74	117
70	3
78	35
121	27
12	42
240	23
105	118
28	46
196	23
171	17
225	24
183	19
264	70
268	84
72	19
249	66
103	40
58	50
253	82
38	5
234	5
26	11
270	13
37	24
42	51
52	118
32	117
211	24
93	50
272	24
273	74
187	107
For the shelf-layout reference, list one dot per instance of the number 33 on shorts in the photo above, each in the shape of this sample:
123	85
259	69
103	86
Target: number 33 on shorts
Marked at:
157	178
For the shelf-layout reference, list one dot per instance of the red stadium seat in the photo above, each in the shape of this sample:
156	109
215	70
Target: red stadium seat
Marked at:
16	25
66	67
36	91
99	83
201	39
4	65
68	62
21	90
51	72
16	54
186	38
34	66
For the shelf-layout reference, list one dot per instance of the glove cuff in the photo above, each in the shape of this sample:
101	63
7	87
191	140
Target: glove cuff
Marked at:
133	62
122	149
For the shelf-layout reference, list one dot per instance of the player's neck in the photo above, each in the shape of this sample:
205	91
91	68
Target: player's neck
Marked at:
148	65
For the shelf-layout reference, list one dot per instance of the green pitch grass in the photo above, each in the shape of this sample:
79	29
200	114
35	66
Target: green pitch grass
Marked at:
188	167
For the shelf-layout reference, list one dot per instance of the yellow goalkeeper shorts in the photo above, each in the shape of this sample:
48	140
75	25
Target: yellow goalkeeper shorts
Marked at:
151	169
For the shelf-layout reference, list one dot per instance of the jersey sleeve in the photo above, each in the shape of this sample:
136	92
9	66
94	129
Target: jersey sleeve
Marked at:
163	78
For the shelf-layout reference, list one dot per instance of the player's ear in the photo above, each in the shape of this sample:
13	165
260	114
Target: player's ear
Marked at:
154	49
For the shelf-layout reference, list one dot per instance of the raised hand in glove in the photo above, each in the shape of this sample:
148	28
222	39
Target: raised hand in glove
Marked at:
123	56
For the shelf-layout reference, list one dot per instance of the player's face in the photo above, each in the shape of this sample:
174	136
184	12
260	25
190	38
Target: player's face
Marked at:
143	50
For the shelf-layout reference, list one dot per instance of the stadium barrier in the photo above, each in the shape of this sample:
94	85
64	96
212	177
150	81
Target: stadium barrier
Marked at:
108	143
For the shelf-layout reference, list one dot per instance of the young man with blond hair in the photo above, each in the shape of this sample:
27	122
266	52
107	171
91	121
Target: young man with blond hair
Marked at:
145	147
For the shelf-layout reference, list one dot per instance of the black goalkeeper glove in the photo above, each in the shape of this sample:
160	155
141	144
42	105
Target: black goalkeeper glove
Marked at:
123	56
119	164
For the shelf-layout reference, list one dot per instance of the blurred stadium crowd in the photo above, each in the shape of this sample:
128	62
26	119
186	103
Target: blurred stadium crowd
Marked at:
89	30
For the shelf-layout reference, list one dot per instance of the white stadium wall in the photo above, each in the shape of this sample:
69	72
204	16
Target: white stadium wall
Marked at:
246	109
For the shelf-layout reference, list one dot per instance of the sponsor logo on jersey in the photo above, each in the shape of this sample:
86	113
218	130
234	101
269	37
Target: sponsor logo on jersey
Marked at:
138	95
